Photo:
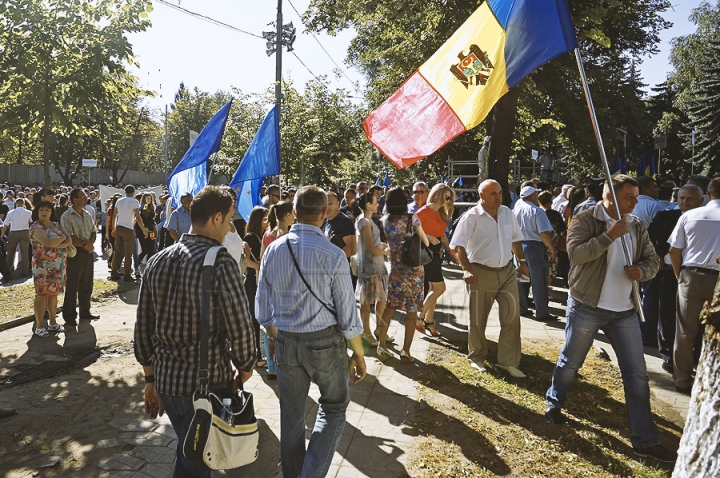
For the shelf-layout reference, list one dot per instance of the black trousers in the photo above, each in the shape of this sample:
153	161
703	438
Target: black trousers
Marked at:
79	285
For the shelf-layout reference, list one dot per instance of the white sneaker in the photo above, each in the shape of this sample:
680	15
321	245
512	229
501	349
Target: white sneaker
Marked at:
512	371
478	367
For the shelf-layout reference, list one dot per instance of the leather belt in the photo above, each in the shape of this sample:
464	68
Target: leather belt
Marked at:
493	269
702	270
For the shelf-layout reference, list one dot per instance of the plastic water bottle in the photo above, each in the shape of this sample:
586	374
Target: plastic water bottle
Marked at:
227	413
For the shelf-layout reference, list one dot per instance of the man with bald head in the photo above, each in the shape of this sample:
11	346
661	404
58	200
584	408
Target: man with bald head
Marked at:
663	307
485	239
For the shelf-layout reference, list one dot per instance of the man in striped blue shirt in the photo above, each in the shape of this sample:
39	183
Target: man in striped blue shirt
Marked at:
306	302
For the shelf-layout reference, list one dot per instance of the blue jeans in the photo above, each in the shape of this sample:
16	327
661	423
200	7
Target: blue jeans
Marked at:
271	365
623	331
320	357
180	411
537	261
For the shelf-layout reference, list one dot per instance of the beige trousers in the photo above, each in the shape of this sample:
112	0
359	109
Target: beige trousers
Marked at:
502	287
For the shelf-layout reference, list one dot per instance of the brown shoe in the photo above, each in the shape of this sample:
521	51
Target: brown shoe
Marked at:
6	412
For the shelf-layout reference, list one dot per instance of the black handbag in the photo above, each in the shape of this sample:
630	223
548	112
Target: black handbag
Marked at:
210	439
414	252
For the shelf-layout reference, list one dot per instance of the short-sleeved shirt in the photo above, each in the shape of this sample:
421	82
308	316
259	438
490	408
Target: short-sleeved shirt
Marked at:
80	225
431	221
532	220
697	233
18	219
125	211
487	242
179	221
646	209
338	228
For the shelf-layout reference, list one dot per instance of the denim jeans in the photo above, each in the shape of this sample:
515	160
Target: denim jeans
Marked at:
271	365
180	411
320	357
623	332
539	265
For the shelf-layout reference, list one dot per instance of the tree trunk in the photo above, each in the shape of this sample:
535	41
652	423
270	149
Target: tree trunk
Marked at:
699	453
501	126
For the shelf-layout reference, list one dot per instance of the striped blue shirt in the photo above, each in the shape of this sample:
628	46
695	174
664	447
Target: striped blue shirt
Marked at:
283	299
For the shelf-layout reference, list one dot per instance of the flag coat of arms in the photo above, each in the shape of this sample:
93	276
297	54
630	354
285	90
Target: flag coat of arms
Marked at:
501	43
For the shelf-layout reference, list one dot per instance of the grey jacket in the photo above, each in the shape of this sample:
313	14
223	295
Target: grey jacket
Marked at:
587	246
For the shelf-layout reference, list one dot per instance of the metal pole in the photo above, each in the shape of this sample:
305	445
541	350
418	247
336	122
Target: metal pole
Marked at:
166	143
659	158
278	69
598	137
692	163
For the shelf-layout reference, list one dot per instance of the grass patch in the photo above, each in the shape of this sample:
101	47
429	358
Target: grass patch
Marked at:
17	301
489	424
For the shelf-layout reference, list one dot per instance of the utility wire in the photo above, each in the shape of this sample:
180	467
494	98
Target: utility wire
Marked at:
323	49
208	19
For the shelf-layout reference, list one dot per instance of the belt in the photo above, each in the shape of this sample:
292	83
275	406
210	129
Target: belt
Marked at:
702	270
493	269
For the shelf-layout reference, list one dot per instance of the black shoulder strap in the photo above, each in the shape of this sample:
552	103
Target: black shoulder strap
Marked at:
208	271
297	267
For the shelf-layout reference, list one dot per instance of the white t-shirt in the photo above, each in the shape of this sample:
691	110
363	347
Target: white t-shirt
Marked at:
125	211
697	233
18	219
617	288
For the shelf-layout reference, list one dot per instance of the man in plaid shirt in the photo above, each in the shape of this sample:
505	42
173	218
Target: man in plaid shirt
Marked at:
167	331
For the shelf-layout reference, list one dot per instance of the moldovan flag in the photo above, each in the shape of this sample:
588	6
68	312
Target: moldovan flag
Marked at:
455	89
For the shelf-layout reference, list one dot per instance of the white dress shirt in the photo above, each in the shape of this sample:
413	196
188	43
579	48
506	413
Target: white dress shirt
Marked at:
697	233
18	219
487	242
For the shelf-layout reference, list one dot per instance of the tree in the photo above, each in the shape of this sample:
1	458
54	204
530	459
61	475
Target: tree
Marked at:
62	62
395	37
698	453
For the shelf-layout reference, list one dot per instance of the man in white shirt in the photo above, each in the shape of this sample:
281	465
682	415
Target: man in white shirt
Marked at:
485	239
601	297
536	229
127	212
561	201
648	204
18	222
694	249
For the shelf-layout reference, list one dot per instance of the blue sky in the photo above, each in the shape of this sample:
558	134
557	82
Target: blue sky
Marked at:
179	47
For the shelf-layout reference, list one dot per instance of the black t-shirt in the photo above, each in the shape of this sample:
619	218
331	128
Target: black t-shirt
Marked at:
255	245
338	228
4	210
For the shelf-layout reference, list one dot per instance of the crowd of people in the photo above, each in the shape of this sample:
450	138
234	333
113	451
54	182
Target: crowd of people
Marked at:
309	268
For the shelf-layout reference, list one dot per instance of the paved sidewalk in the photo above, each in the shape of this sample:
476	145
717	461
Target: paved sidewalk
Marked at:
376	440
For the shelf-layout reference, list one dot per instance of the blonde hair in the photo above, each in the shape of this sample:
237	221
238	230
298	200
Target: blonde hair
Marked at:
437	196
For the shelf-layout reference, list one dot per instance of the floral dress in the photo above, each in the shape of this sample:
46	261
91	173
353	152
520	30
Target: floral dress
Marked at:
48	263
372	283
405	286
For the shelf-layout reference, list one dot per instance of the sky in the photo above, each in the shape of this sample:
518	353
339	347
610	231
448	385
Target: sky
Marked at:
182	48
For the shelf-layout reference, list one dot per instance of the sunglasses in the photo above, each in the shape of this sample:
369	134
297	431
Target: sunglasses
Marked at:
419	191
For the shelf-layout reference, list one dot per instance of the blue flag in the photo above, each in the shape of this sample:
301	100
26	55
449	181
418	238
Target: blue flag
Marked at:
651	167
261	159
386	183
190	174
443	180
641	166
378	182
618	164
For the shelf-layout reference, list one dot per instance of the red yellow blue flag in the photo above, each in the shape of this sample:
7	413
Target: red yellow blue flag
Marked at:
455	89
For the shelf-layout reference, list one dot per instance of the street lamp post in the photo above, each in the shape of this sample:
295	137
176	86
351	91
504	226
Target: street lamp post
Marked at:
624	132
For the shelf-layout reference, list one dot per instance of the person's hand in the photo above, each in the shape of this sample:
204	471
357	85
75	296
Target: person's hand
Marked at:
89	246
433	240
633	272
386	248
470	278
523	269
146	233
271	350
113	233
619	229
153	408
357	367
553	254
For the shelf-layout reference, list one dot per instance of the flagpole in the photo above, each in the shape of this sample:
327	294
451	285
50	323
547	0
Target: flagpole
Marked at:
598	137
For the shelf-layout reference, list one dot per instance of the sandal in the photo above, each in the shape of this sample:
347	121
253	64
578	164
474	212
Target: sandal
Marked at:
427	325
41	332
369	339
383	354
405	357
388	338
56	328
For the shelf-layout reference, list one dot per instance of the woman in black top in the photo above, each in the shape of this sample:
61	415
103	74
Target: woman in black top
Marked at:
256	226
147	213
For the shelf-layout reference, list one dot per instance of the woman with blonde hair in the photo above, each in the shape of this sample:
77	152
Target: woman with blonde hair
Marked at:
434	217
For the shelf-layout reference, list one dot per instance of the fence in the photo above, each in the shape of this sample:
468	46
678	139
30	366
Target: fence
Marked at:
35	175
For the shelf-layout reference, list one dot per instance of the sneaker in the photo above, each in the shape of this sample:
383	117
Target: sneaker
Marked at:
527	314
56	328
369	339
478	367
659	452
405	357
383	354
555	415
41	332
667	365
512	371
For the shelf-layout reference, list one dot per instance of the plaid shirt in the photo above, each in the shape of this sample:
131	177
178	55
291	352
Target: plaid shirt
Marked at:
167	331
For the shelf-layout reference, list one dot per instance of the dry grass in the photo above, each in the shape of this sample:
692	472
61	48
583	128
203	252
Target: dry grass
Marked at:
489	425
17	301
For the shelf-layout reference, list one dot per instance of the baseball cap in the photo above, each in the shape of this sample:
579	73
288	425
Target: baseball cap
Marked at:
527	191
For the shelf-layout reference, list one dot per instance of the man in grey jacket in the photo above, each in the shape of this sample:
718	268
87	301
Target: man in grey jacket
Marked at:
601	297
